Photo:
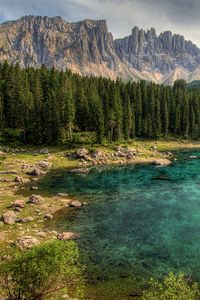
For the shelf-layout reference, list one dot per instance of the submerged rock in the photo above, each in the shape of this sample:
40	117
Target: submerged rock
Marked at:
162	177
80	171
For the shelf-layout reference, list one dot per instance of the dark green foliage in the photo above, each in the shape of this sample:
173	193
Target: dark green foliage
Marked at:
194	85
45	270
54	107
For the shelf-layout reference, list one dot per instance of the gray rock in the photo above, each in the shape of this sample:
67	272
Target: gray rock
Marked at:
44	164
9	217
34	188
82	153
19	179
36	199
161	162
25	220
44	151
48	216
41	234
26	242
18	203
9	172
66	236
76	204
36	172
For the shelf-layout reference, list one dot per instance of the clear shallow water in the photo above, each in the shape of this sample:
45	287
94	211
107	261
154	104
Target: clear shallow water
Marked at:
136	226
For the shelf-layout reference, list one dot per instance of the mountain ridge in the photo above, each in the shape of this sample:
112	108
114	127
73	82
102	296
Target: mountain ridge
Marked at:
88	48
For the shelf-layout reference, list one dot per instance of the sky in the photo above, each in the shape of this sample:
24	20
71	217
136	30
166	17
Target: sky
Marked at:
179	16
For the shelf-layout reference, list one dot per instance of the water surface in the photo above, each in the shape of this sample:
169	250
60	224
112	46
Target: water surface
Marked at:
141	221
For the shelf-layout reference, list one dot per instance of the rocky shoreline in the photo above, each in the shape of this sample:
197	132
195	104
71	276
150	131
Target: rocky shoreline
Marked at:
23	220
21	170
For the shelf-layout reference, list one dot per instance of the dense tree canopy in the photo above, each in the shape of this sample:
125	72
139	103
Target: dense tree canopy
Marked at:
41	106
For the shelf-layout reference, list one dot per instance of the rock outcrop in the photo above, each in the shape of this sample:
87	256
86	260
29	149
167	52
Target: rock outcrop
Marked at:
87	48
146	51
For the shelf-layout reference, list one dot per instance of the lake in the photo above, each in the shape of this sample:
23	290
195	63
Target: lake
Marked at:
141	221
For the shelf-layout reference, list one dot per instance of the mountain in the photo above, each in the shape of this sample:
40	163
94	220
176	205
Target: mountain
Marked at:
87	47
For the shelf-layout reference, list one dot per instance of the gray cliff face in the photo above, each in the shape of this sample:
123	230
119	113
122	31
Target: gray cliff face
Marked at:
164	53
87	47
32	41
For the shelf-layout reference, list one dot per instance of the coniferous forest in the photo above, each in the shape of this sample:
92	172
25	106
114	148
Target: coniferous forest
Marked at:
41	106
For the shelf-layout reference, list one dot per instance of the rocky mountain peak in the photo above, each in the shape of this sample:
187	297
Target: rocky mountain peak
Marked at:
87	47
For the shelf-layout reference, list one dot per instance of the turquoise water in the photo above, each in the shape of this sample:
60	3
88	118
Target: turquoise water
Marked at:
136	225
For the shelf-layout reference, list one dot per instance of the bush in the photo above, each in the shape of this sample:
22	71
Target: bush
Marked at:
11	136
45	270
172	288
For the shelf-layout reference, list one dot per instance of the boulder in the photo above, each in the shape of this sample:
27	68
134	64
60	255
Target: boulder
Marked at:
66	236
76	204
97	154
9	218
41	234
18	203
19	179
44	151
82	153
36	199
153	148
26	166
44	164
48	217
192	157
36	172
26	242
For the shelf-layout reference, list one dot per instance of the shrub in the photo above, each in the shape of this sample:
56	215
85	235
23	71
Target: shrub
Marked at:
11	136
172	288
45	270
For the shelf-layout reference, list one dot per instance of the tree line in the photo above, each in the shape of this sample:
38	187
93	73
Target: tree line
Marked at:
42	106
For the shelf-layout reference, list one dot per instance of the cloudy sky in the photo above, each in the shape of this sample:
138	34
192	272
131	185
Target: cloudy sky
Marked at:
179	16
